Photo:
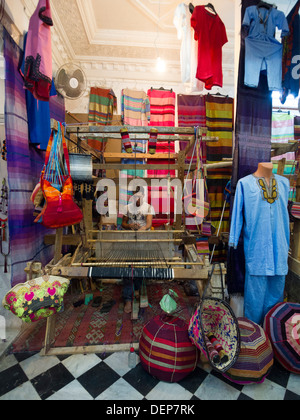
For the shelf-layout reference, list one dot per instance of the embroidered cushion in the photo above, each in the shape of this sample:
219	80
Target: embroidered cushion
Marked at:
37	299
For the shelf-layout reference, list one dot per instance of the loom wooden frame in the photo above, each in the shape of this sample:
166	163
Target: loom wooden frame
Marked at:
77	265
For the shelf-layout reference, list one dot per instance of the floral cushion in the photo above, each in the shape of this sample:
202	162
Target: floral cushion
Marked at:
37	299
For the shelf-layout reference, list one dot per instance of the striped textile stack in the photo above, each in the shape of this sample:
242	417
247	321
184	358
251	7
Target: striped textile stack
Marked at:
103	103
202	246
282	132
162	109
219	120
191	113
166	351
297	128
135	106
297	135
256	355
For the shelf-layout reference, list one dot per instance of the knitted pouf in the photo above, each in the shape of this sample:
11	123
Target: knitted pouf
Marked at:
256	355
282	325
166	351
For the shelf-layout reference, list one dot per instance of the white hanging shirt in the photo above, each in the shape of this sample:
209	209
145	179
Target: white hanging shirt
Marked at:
183	25
188	52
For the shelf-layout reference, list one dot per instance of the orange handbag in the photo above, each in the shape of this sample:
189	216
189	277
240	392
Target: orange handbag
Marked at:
60	209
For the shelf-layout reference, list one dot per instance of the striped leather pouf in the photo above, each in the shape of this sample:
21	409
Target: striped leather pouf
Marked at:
256	355
166	351
282	325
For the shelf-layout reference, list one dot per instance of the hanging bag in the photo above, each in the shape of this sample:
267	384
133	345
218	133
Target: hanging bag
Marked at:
214	326
60	210
197	207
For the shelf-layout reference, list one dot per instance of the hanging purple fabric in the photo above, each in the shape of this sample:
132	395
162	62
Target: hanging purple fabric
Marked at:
24	165
252	145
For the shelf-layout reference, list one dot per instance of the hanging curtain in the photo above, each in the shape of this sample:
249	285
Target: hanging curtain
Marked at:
24	165
252	145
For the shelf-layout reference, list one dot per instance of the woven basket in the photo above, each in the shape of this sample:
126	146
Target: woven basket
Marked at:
166	351
215	317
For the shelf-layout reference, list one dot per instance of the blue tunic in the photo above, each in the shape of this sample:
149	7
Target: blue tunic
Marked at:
263	51
261	213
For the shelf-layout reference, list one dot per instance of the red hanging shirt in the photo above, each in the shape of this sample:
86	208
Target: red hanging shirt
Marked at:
211	35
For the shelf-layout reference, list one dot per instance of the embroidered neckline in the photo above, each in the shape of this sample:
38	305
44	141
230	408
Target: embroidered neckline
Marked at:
269	192
261	19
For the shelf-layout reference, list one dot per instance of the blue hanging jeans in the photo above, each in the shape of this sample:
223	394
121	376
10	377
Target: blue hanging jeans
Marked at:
262	293
263	55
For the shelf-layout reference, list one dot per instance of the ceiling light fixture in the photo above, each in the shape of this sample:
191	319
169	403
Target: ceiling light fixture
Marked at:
161	65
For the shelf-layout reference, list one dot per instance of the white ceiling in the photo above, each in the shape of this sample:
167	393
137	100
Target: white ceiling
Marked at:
116	42
93	25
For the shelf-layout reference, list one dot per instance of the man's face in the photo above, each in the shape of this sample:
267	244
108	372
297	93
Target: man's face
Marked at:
138	198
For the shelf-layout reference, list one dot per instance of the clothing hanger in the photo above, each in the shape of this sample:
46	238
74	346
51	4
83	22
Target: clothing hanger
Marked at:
162	88
265	5
218	94
284	112
211	6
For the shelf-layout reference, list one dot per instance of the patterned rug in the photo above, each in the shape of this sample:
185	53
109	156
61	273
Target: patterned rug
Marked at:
86	325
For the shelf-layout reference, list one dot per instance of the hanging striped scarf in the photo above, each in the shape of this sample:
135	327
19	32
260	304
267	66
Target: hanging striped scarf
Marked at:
191	113
219	120
103	103
162	110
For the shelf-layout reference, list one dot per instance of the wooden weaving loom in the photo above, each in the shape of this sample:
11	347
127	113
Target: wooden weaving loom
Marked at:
113	255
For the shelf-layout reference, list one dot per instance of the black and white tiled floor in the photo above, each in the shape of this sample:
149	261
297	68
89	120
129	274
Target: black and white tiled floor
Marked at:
108	378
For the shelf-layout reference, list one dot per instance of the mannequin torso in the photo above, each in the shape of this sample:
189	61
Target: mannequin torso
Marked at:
265	170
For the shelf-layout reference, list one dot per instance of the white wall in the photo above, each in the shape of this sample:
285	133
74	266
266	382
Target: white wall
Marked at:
15	10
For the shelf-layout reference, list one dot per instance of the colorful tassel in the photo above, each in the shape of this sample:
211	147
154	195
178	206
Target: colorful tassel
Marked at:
126	140
153	141
217	346
213	354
